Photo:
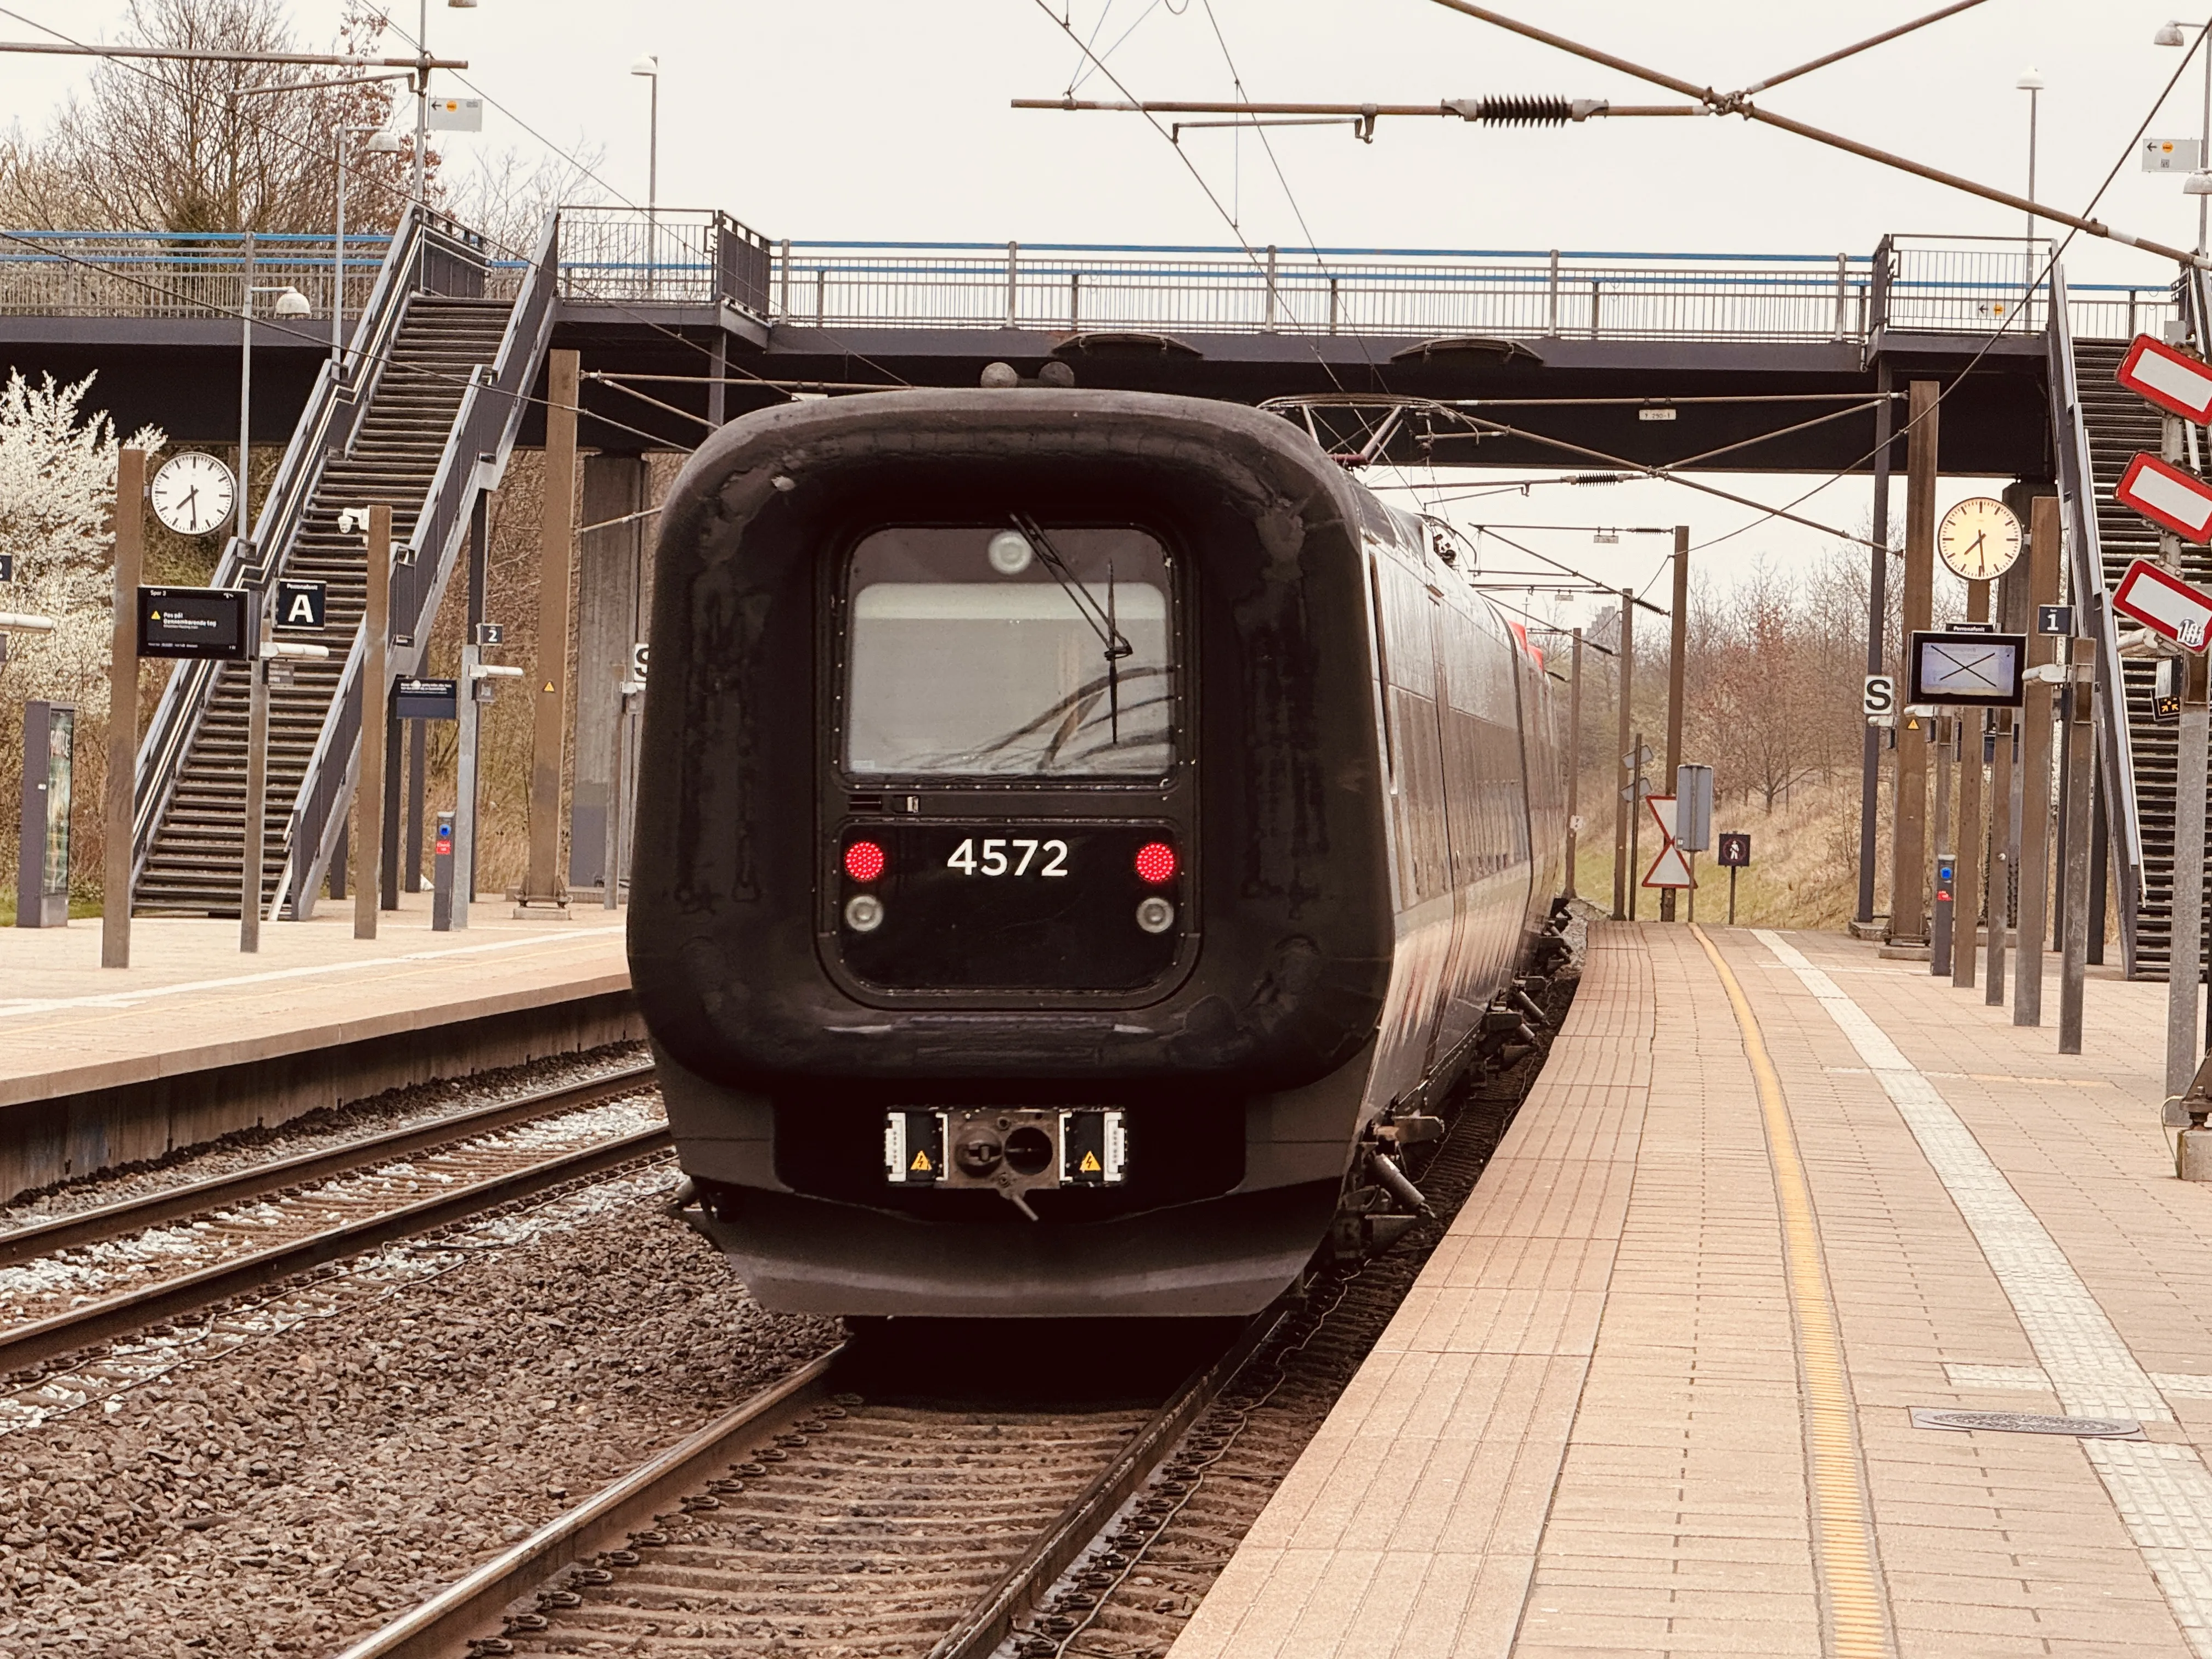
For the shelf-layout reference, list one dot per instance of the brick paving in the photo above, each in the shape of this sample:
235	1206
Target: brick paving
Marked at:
1584	1433
192	1001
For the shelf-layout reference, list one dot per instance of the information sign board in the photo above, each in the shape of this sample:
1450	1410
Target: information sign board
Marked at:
206	624
426	699
1950	669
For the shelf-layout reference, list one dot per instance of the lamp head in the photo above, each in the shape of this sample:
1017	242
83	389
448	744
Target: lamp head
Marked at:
2198	184
292	303
2029	81
383	143
647	64
2169	35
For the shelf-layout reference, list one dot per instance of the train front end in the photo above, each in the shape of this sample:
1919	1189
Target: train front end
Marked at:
1010	907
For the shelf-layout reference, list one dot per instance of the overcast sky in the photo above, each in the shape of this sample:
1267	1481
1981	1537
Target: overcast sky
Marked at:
887	119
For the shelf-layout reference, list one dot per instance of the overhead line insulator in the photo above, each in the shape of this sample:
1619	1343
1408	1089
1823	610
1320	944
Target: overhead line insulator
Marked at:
1525	111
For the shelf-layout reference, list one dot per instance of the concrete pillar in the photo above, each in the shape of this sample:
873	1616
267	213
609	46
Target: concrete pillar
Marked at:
610	620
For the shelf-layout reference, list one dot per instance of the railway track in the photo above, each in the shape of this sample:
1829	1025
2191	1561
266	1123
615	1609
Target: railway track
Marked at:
845	1515
82	1280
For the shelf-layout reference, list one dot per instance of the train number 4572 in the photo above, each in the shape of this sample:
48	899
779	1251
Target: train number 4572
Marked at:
1017	856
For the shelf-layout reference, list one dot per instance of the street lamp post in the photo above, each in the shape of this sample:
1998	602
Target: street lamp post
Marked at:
649	67
290	302
423	88
380	142
2030	82
2199	183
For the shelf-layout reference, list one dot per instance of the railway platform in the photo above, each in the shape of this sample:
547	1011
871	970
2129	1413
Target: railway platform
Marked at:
102	1067
1751	1338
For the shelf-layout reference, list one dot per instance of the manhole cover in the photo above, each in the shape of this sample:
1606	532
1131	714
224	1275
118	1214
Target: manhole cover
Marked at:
2096	1428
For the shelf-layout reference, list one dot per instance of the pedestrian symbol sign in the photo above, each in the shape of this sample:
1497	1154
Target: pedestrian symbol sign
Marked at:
1670	868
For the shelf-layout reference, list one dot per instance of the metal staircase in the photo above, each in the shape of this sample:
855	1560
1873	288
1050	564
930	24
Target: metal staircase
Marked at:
423	417
2100	428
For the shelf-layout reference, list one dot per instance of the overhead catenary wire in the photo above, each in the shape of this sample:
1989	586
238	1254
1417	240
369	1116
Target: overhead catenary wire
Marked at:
1739	103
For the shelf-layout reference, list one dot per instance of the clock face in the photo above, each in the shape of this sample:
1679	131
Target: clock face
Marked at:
193	492
1978	539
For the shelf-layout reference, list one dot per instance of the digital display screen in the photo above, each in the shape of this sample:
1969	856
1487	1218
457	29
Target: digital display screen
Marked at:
1964	670
202	623
426	699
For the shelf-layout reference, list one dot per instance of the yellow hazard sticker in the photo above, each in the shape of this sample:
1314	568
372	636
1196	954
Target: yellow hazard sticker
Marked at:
1089	1165
921	1162
549	685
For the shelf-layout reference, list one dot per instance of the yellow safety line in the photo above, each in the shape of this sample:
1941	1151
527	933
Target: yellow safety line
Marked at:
1849	1565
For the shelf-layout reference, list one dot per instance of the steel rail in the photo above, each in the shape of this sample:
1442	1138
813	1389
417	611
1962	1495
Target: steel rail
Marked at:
24	1346
471	1607
219	1192
984	1627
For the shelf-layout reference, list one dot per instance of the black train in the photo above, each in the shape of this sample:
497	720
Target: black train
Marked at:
1080	836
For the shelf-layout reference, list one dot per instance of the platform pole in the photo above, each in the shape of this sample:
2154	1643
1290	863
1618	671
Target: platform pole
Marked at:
2035	775
2185	963
2078	707
394	776
544	893
1635	818
1678	635
1941	919
465	796
1622	806
1877	646
253	839
1967	837
418	763
118	809
1908	877
1574	755
1999	879
369	772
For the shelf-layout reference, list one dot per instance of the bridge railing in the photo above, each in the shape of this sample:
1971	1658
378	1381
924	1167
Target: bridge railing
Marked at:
635	258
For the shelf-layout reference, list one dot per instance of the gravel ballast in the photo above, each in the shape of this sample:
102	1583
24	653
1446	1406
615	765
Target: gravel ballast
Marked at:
290	1496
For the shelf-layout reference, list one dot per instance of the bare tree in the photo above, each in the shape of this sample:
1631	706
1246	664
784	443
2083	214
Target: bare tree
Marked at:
176	145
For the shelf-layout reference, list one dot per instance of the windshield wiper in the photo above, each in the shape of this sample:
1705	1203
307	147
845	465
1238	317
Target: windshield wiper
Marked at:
1101	618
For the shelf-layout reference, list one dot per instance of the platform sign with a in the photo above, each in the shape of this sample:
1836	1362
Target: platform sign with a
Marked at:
2164	603
2176	382
303	605
1670	868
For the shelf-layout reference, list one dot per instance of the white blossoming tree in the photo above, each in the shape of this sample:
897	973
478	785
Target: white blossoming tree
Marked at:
56	493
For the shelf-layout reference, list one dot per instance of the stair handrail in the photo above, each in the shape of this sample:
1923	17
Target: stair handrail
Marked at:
477	448
326	426
2078	498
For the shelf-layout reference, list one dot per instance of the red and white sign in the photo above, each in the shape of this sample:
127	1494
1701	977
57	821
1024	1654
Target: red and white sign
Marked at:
2164	603
2165	495
1670	868
2174	380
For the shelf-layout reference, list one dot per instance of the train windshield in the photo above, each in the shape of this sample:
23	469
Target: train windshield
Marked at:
1013	650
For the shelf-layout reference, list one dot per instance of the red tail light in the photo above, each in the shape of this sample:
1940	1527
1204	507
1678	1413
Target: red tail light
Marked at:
863	861
1156	862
